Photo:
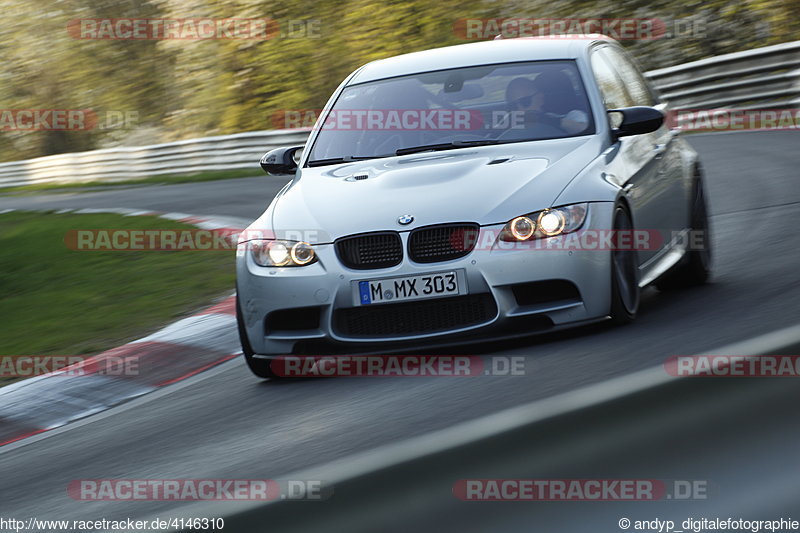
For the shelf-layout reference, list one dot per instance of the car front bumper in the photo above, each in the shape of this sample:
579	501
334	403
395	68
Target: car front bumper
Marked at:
525	290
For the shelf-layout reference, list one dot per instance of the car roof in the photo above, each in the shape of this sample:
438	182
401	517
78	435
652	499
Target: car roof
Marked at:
480	53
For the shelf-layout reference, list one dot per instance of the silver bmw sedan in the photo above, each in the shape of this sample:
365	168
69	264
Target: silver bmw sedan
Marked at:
479	191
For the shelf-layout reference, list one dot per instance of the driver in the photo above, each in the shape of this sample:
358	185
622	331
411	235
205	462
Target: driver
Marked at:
534	98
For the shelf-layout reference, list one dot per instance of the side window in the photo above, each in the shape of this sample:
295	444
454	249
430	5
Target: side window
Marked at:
634	81
614	94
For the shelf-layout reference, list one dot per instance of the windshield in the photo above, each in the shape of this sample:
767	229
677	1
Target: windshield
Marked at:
455	108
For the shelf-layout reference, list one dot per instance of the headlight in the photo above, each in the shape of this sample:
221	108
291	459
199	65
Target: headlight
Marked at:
522	228
282	253
548	223
551	222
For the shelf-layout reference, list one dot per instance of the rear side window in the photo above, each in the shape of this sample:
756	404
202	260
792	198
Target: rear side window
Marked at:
633	80
609	82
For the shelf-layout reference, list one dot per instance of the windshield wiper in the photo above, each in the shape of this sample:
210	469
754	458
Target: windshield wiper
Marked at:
345	159
445	146
404	151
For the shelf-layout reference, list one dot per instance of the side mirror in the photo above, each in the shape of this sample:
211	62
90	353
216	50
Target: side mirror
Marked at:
280	161
635	120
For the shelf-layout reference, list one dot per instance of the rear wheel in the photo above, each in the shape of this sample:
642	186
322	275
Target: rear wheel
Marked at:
695	267
259	367
625	292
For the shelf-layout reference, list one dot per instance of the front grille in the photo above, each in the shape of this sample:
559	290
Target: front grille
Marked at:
370	250
432	244
415	318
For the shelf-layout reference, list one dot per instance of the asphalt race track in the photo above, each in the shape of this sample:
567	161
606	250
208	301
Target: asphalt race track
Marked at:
226	424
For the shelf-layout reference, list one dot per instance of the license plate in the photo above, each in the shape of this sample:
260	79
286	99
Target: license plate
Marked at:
407	288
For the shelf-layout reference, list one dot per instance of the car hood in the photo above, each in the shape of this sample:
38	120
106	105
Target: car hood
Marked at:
487	185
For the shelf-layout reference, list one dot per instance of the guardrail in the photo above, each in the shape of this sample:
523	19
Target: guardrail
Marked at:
226	152
736	436
765	78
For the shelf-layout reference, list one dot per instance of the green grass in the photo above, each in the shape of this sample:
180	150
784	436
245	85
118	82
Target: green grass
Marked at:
161	179
57	301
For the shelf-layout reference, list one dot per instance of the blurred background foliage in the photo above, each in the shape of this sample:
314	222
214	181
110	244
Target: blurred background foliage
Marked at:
181	89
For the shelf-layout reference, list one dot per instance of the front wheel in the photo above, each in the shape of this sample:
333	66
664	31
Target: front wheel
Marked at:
259	367
625	292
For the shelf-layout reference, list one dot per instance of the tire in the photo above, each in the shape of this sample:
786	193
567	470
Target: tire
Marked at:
625	292
259	367
695	267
